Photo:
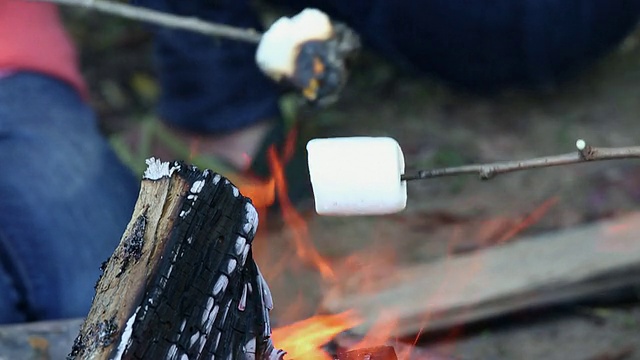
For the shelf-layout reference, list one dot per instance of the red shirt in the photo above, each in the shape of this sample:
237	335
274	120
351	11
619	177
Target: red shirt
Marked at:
32	38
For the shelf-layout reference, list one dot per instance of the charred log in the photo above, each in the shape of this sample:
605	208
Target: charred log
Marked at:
373	353
182	283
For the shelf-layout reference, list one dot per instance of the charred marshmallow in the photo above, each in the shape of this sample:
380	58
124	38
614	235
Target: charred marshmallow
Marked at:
279	46
307	51
357	175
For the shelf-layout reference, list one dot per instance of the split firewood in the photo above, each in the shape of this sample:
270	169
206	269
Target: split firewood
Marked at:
182	283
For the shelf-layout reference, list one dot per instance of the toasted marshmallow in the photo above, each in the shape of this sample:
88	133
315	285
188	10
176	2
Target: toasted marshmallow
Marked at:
357	175
280	44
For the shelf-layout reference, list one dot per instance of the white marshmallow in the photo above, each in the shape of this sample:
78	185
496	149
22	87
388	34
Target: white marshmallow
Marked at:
357	175
280	44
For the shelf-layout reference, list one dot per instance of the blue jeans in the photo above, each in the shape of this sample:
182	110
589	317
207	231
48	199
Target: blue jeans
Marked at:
65	200
210	85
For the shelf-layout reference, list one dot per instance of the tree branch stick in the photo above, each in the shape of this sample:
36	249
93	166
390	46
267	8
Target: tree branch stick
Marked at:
487	171
164	19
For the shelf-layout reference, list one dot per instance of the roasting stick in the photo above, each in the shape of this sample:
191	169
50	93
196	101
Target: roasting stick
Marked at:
138	13
488	171
365	175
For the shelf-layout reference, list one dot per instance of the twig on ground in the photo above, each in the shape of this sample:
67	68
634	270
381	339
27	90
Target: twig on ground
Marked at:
487	171
164	19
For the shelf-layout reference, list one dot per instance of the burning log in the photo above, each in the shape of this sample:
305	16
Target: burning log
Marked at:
544	270
182	283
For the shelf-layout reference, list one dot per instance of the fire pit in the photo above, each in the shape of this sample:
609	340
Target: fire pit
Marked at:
183	282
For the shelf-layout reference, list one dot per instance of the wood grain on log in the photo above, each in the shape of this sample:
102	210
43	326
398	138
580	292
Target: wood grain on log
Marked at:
533	272
182	283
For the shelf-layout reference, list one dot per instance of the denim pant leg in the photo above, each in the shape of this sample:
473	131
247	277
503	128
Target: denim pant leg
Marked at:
211	85
65	200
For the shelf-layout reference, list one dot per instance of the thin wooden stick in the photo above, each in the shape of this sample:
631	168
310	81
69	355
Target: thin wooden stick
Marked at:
164	19
584	153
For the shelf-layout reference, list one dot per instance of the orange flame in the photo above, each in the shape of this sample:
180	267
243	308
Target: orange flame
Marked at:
305	249
380	332
261	193
529	220
303	339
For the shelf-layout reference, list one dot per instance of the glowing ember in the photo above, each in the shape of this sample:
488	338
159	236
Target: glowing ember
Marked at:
304	339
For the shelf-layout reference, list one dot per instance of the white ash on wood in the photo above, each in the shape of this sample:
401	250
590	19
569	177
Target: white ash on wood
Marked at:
182	283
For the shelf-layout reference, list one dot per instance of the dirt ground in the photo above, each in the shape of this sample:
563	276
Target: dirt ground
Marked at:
438	126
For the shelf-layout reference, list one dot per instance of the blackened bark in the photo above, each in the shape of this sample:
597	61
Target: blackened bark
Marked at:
182	283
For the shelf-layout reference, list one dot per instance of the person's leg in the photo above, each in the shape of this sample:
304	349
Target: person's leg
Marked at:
487	44
10	305
215	98
65	199
210	85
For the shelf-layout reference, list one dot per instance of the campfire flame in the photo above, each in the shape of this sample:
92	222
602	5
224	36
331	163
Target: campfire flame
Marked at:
530	219
305	249
304	339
